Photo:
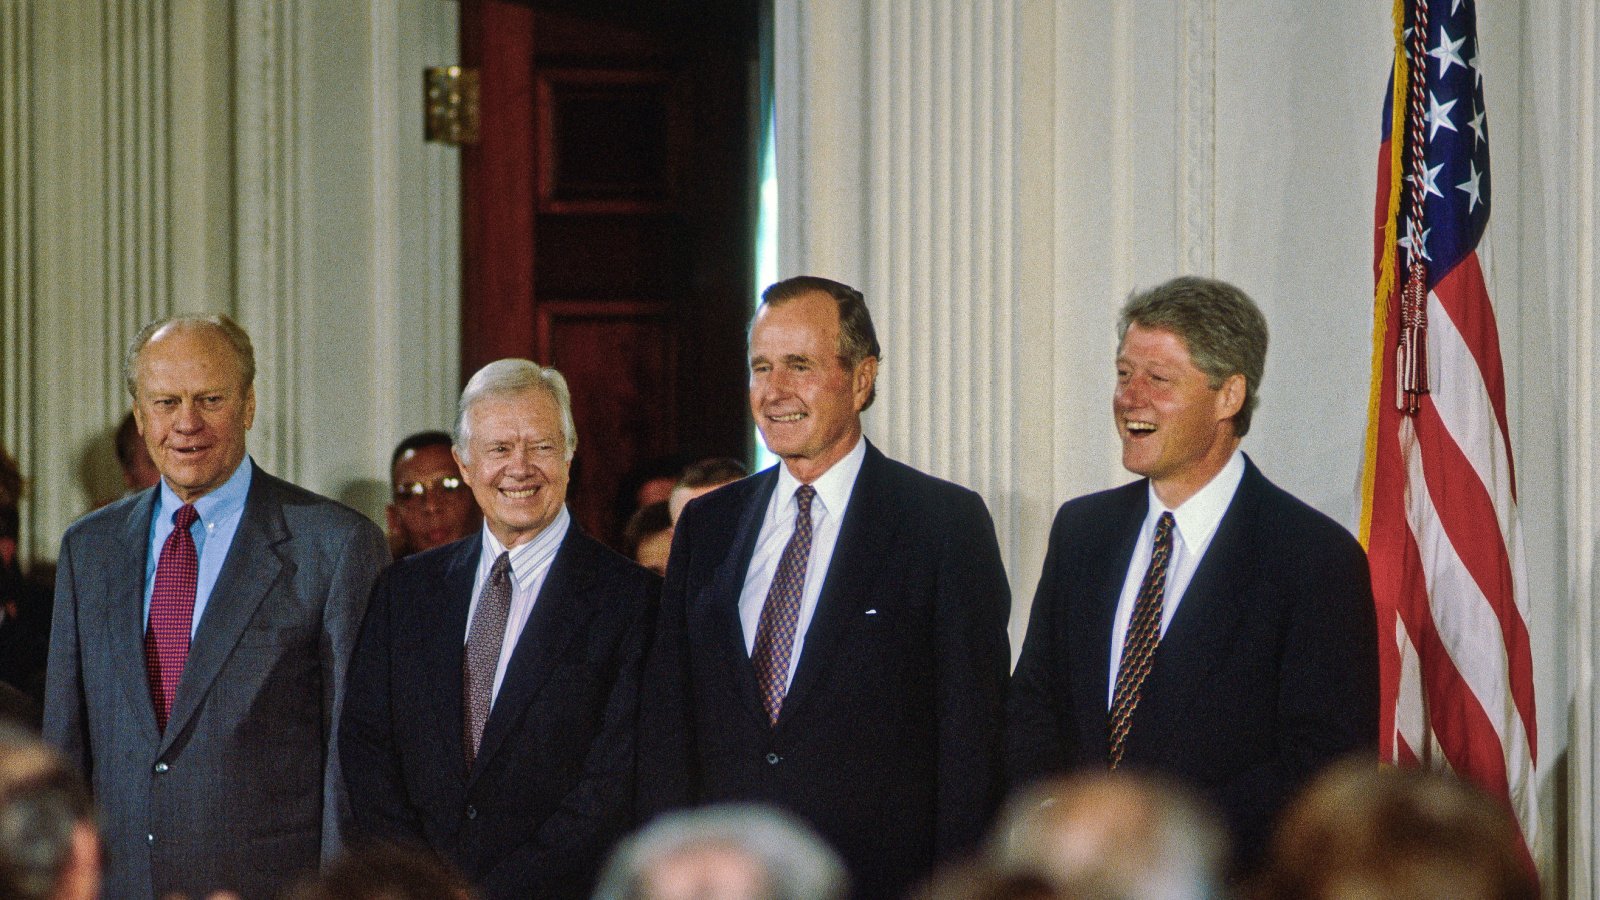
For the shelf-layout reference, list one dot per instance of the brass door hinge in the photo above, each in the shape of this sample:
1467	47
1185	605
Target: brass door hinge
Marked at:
450	101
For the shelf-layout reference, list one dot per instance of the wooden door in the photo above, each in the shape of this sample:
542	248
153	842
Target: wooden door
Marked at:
608	221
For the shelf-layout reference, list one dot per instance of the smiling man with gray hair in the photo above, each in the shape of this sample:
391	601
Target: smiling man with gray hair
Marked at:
493	692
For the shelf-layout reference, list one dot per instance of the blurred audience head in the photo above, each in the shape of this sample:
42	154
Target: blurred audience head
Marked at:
703	477
48	844
1117	836
133	457
379	871
647	537
430	504
732	852
1361	832
981	881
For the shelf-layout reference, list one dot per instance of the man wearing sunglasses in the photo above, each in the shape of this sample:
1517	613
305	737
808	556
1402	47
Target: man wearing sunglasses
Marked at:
431	505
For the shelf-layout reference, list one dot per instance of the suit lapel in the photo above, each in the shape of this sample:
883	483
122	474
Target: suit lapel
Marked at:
443	625
125	612
721	596
558	614
1195	641
253	564
1104	564
865	536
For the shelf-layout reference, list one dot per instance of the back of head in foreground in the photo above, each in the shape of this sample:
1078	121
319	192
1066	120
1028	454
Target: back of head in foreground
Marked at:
1361	832
729	852
48	844
1114	835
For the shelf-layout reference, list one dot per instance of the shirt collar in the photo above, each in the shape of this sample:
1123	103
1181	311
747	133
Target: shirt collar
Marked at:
833	486
227	500
1198	517
527	560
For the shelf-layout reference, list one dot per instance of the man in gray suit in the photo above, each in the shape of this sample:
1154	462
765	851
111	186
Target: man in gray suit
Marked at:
201	636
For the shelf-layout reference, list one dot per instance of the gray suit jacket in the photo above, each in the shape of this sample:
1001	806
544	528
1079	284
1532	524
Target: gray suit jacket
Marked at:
242	791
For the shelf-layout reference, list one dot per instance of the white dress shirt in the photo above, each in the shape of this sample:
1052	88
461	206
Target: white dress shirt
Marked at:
834	488
1195	521
530	563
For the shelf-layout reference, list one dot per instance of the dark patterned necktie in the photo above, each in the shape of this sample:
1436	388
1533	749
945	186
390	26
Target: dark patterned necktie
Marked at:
775	630
166	637
1139	647
482	657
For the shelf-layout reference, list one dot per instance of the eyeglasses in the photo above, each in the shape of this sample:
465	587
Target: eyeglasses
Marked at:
413	491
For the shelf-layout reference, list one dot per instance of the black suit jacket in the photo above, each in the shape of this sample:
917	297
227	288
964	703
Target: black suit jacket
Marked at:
1268	670
551	788
889	742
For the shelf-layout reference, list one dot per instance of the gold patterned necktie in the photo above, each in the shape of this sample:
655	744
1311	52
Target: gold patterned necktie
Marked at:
482	657
1139	647
779	615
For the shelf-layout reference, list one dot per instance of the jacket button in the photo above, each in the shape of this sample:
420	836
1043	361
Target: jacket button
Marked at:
773	759
472	811
161	768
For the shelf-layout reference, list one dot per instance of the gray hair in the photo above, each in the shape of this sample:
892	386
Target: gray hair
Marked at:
236	336
1124	835
798	865
857	338
514	376
42	801
1223	328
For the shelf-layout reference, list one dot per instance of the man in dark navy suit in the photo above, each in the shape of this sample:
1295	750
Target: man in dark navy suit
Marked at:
1199	622
491	705
832	634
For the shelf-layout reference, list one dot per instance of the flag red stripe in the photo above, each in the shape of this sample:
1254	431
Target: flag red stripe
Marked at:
1465	298
1467	514
1466	735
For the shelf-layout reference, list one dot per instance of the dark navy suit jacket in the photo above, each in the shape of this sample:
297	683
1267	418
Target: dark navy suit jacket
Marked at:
890	740
1267	672
552	785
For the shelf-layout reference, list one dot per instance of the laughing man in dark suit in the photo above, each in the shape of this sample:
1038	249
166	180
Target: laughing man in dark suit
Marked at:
1245	657
491	706
832	635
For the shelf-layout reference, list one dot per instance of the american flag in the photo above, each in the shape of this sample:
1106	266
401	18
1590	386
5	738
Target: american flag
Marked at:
1439	511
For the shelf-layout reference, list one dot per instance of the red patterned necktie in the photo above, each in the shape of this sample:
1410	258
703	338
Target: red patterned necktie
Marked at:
775	630
166	639
1139	647
484	639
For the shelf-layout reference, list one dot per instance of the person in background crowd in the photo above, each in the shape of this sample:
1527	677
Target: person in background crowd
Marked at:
731	852
1200	622
493	696
702	478
648	537
24	606
201	638
49	849
431	505
1364	831
832	636
133	458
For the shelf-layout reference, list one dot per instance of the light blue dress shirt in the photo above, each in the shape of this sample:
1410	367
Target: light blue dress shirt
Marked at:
220	512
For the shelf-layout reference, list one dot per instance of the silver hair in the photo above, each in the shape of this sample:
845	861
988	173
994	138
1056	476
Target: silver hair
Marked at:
514	376
237	338
798	865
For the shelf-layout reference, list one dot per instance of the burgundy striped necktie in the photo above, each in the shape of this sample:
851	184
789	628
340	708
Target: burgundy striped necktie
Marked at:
166	639
780	614
1139	647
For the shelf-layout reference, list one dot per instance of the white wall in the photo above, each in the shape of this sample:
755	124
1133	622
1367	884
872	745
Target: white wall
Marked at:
262	158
